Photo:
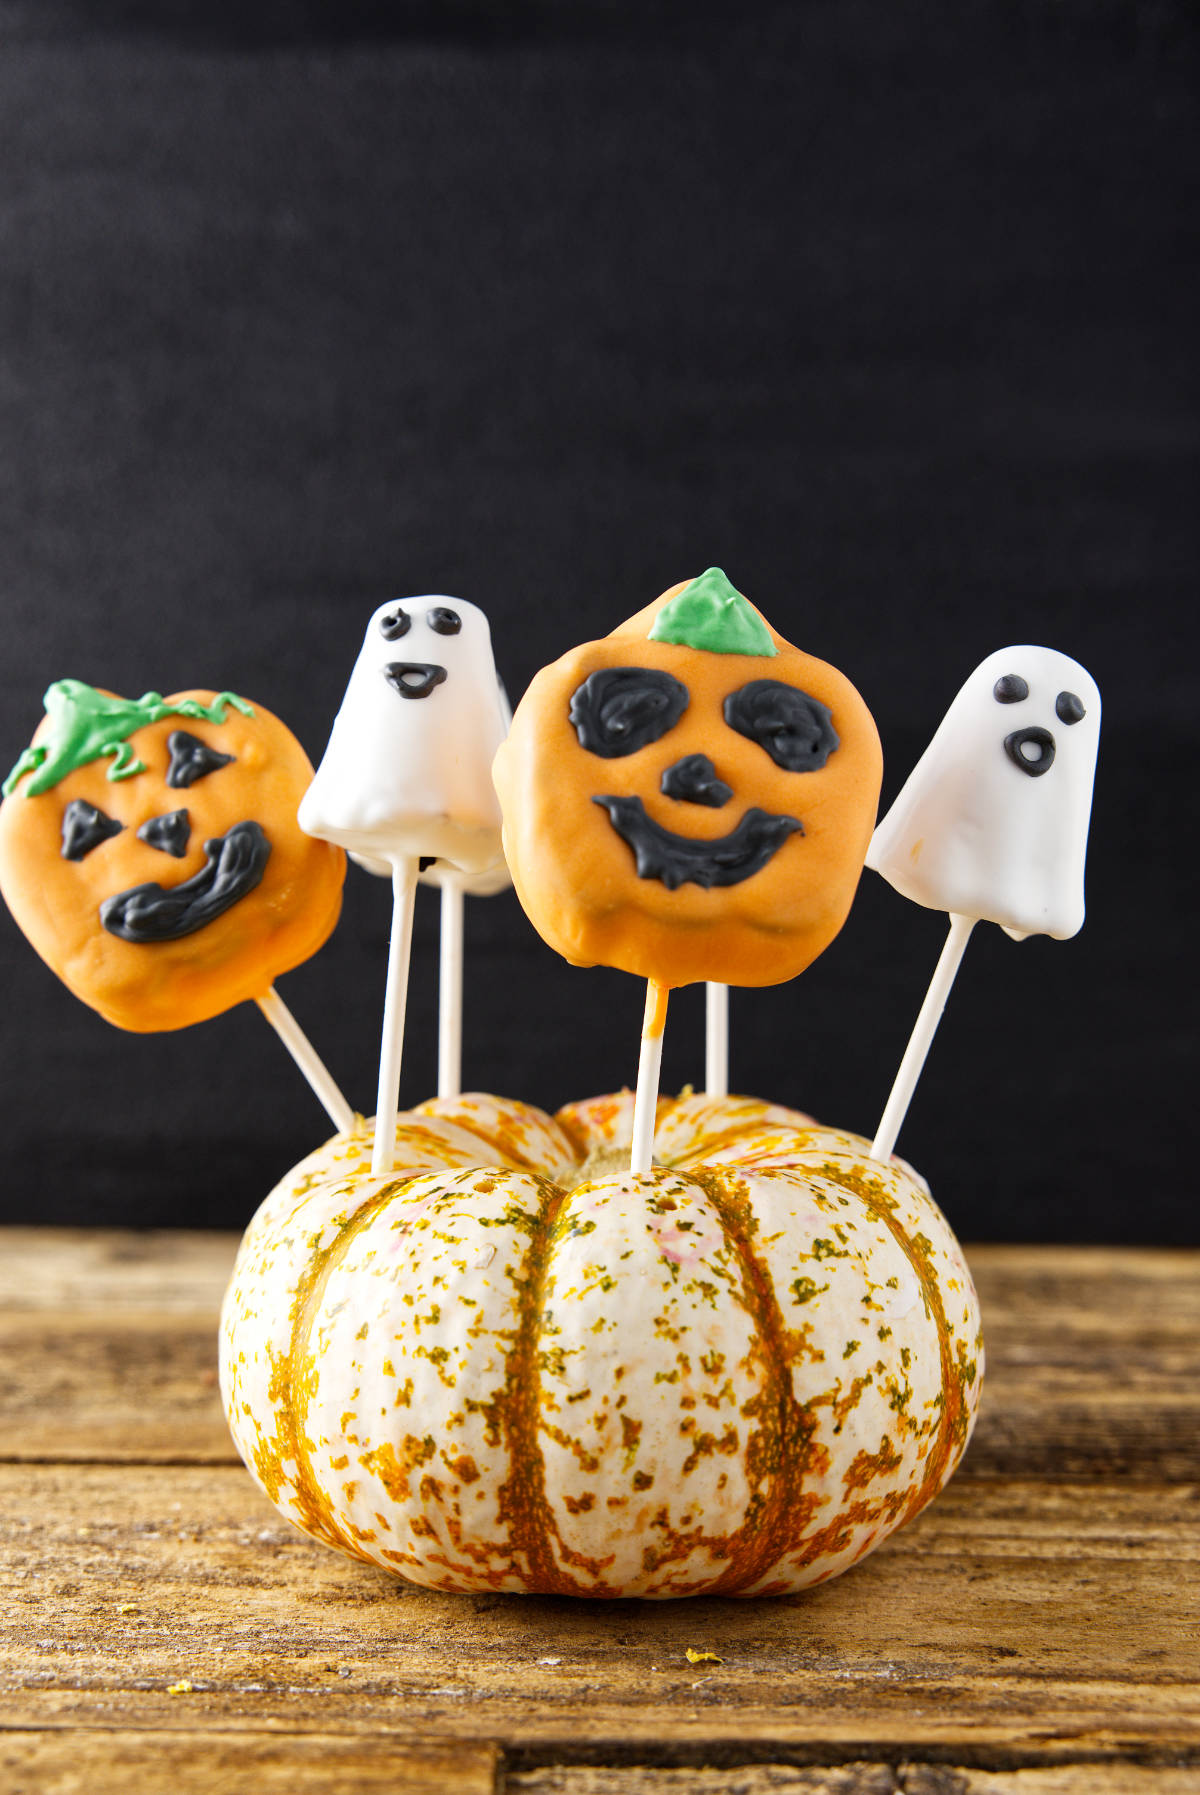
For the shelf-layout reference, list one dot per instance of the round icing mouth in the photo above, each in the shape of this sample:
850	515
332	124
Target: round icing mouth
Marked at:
678	860
1031	749
414	679
148	913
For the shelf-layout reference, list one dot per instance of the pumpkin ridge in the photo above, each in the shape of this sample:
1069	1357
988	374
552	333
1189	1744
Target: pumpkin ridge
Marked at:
522	1502
497	1139
761	1540
956	1421
298	1375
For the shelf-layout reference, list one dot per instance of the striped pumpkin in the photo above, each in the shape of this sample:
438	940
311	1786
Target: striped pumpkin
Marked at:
511	1365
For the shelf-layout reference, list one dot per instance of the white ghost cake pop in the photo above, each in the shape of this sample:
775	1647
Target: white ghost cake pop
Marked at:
405	786
992	822
408	768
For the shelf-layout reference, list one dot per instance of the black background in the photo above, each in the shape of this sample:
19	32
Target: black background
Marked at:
889	309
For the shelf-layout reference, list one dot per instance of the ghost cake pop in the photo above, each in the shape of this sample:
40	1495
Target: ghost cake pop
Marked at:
688	799
992	822
453	880
405	781
149	851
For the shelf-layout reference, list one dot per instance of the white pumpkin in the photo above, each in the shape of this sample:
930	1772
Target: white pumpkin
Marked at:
511	1365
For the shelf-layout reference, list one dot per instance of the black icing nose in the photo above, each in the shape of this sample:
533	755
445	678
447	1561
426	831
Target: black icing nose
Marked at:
414	679
170	833
1031	749
693	780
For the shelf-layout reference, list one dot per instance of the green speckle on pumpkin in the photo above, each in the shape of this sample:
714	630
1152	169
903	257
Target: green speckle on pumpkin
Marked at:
804	1289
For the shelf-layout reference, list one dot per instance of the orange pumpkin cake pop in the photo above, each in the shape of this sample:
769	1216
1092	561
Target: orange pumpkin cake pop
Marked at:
691	797
150	852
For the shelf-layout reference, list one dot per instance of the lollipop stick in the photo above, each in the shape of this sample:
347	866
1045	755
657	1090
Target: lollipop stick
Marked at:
307	1058
404	886
922	1036
645	1103
450	991
716	1040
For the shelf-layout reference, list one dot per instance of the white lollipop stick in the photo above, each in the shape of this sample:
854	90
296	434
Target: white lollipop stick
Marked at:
645	1103
921	1038
450	990
716	1040
395	1002
307	1058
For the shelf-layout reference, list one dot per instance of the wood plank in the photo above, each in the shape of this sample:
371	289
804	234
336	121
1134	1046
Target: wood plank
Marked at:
87	1384
745	1779
853	1779
65	1270
109	1346
1015	1622
112	1762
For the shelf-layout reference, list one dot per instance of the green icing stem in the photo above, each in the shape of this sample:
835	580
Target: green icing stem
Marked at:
711	614
86	725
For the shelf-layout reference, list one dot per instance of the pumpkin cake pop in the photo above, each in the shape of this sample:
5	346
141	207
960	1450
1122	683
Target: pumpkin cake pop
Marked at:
690	797
150	853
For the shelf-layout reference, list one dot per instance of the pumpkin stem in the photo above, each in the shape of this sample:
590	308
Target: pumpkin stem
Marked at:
710	613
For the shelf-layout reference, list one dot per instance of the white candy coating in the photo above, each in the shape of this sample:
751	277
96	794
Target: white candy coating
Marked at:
408	776
972	832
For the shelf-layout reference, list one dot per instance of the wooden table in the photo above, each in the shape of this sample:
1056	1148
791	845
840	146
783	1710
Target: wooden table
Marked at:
163	1629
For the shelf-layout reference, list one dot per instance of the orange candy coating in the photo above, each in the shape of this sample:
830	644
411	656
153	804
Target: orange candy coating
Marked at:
167	984
575	875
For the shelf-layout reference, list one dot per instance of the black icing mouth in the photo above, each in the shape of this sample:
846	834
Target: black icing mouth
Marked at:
147	913
1031	749
414	679
682	860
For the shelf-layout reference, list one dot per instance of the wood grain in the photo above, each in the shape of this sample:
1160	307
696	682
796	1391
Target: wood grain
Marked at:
854	1779
979	1621
113	1762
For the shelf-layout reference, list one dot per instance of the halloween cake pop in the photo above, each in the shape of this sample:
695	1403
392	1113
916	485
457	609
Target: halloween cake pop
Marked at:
149	850
406	772
992	824
405	783
690	797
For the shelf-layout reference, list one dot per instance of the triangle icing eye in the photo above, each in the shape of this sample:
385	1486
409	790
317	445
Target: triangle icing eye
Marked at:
84	828
169	834
191	759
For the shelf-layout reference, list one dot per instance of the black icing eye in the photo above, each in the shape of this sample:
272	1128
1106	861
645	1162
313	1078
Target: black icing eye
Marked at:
1010	688
169	833
445	621
621	709
84	828
394	625
191	759
795	730
1068	708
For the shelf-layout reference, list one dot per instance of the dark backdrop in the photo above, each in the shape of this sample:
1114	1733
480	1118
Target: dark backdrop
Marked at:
887	308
